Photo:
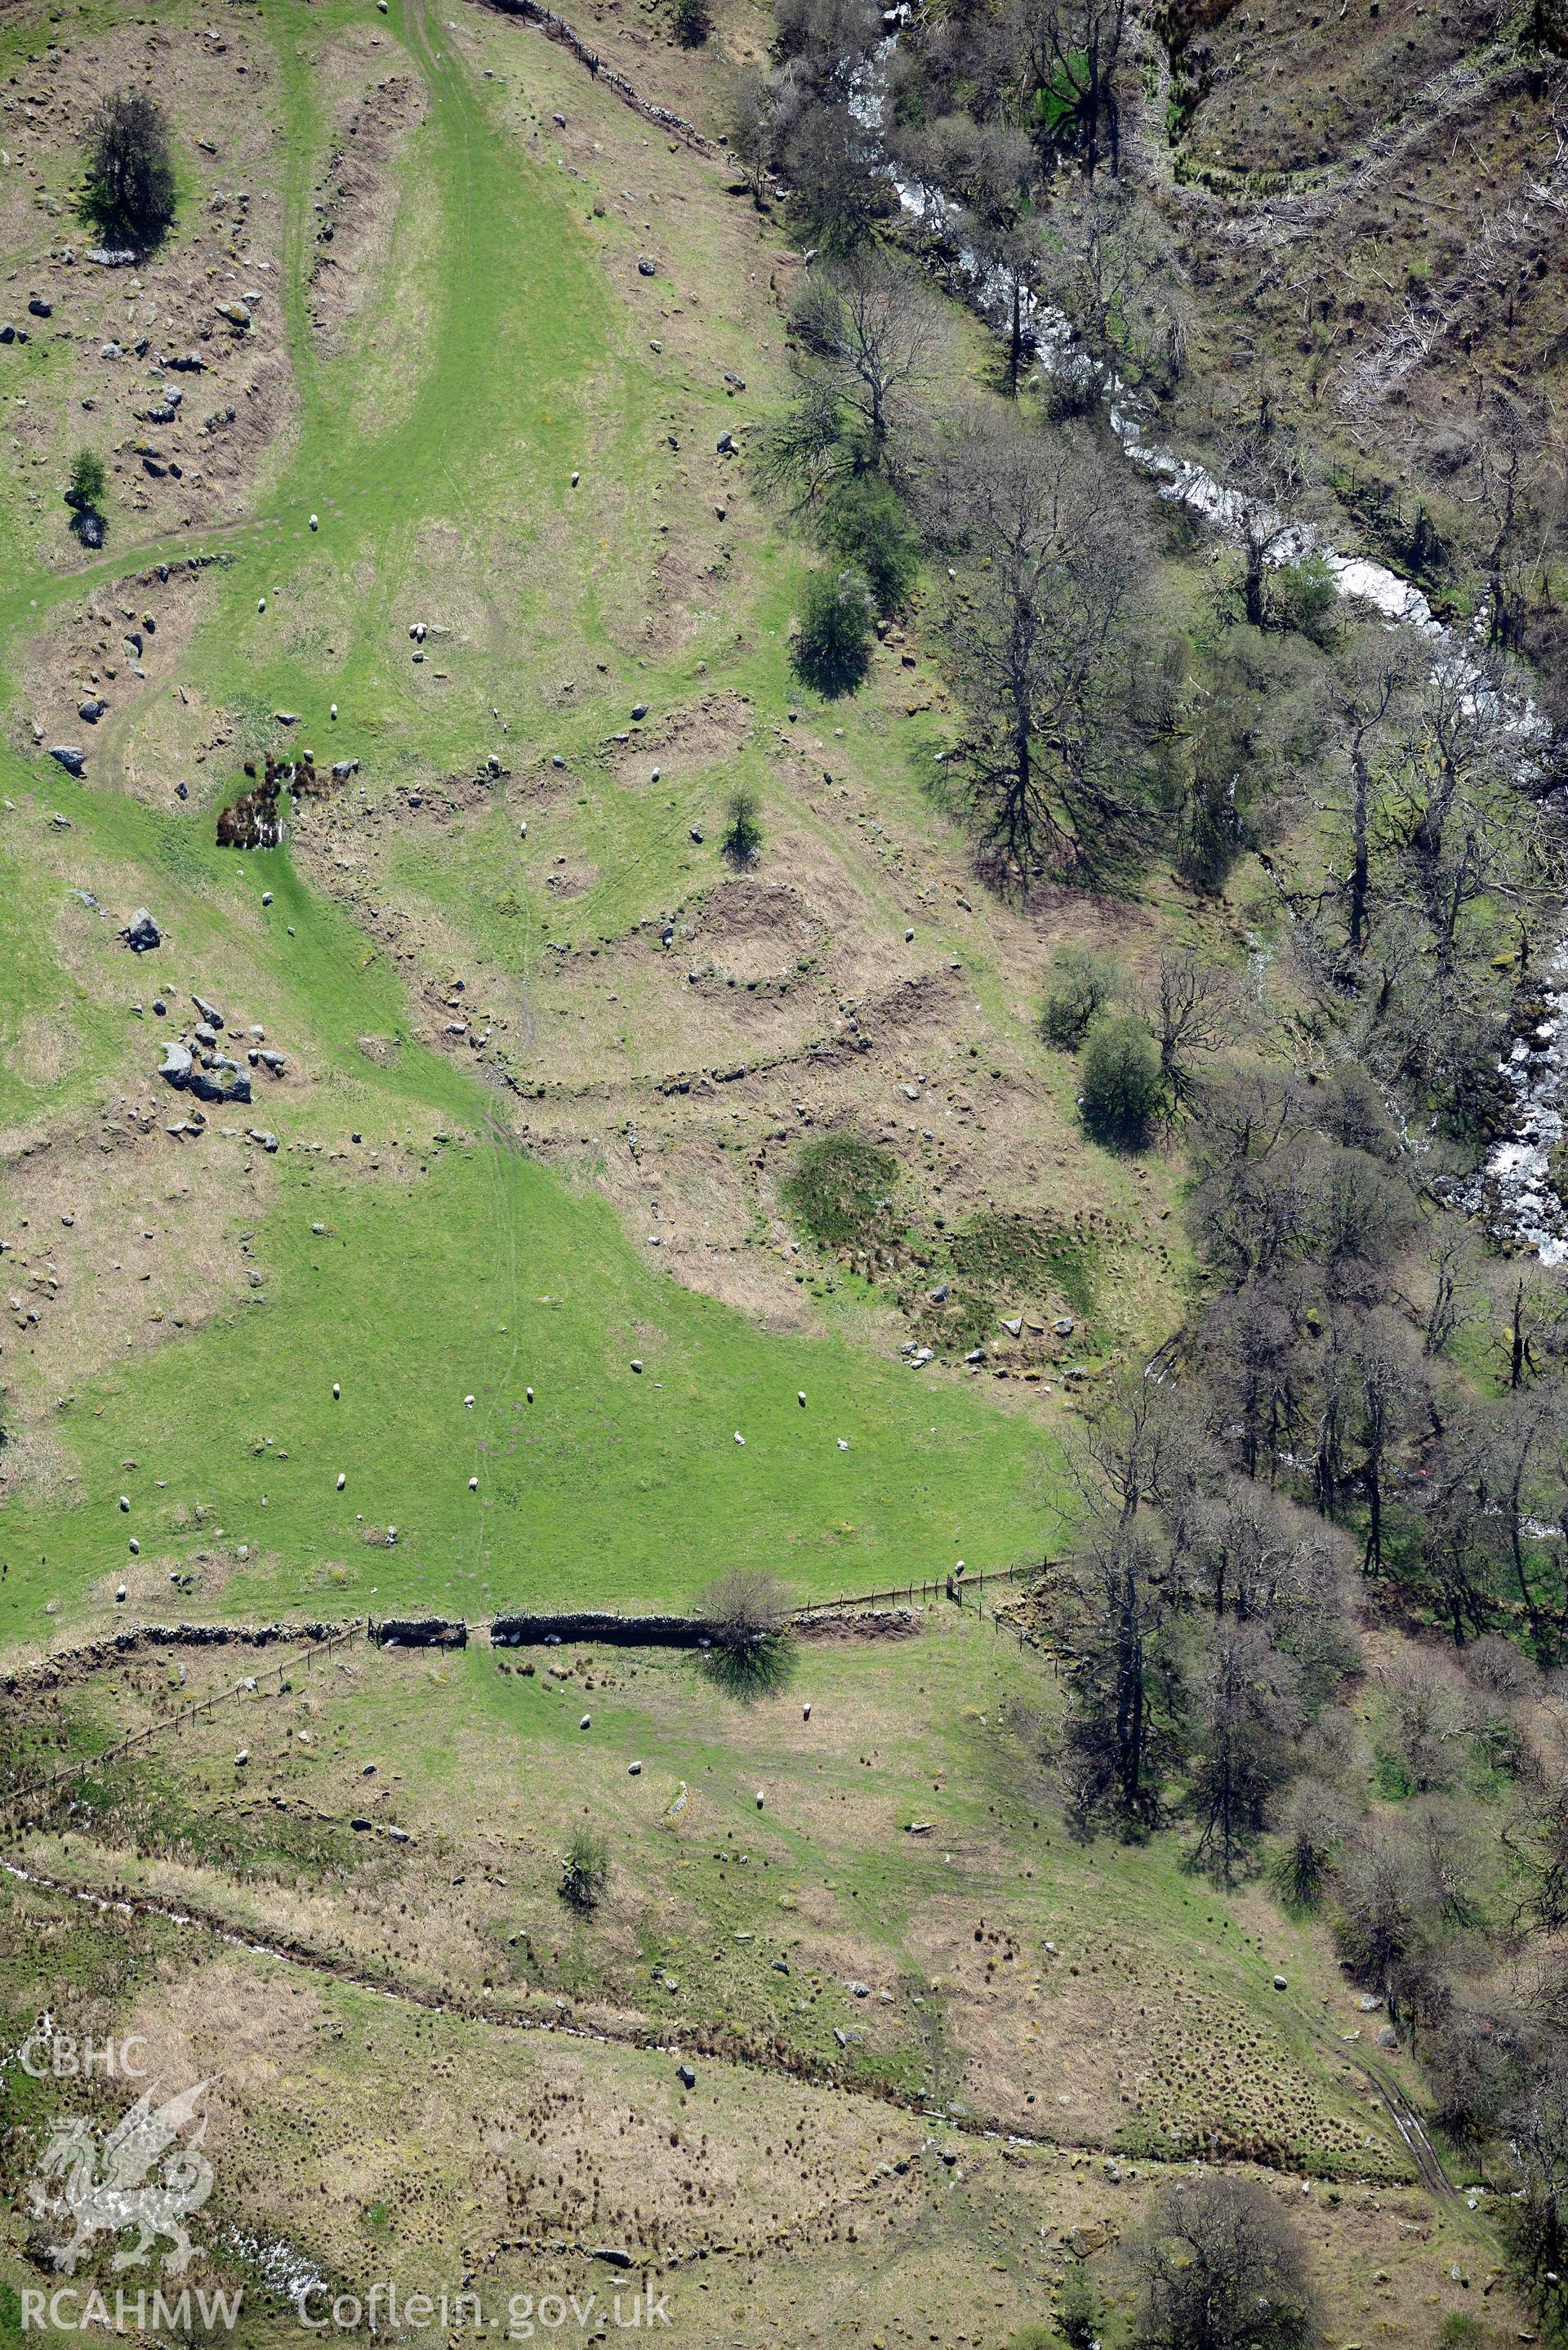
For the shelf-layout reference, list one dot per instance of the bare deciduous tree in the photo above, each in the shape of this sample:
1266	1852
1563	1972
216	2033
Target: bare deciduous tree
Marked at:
1453	1258
1427	1719
1247	1712
1264	479
1451	818
1318	1823
1366	691
1071	52
1110	269
1042	647
875	332
1253	1359
1123	1692
1192	1013
1217	2266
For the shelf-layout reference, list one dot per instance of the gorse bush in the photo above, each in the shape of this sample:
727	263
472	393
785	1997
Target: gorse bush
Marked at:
1082	985
128	174
864	522
1305	597
832	649
89	480
1080	2310
1120	1076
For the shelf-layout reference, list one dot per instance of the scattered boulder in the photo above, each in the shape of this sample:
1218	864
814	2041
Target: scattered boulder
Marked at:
142	933
178	1063
223	1084
92	710
71	756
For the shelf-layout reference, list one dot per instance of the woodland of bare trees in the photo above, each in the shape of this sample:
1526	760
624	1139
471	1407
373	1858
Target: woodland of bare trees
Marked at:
1316	1624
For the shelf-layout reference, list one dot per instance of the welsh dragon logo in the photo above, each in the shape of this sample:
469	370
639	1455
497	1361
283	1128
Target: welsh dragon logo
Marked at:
124	2194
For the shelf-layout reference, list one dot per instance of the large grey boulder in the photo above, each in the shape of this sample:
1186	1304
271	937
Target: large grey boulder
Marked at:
225	1084
71	756
178	1065
142	932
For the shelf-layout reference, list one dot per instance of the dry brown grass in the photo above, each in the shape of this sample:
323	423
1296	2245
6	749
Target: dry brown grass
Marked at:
171	296
372	116
151	1248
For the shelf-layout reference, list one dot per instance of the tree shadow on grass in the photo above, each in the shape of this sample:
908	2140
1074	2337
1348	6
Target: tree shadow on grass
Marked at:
748	1647
760	1666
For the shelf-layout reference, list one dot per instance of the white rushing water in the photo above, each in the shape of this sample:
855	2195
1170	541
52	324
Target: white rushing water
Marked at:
1062	357
1513	1190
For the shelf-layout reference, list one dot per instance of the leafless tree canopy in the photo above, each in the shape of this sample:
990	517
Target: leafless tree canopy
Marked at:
1217	2266
875	332
1043	645
742	1607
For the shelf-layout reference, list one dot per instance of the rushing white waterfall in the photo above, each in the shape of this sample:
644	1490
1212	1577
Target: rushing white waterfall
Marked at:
1514	1191
1061	355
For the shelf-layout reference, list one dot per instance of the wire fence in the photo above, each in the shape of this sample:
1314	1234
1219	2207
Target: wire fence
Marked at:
27	1804
18	1804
